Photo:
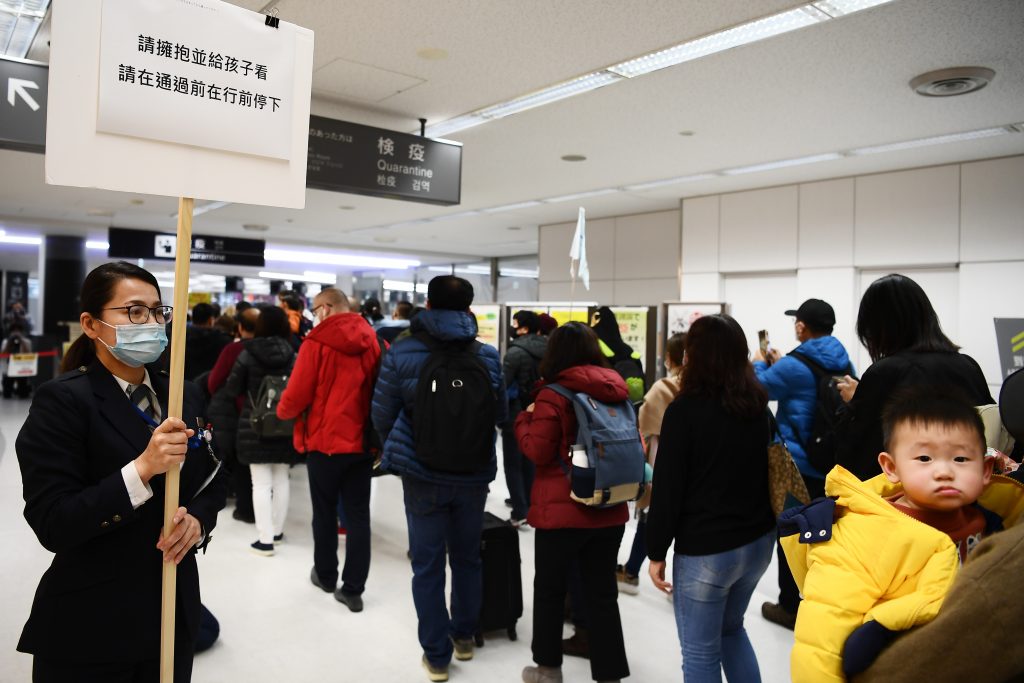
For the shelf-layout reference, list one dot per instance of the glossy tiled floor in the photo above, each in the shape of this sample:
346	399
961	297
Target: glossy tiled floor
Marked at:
275	626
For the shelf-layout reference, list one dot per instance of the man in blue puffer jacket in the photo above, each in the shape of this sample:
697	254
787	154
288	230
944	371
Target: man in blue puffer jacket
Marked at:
790	382
442	509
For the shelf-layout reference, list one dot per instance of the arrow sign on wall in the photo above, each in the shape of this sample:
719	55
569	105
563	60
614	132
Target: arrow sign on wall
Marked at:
18	86
23	100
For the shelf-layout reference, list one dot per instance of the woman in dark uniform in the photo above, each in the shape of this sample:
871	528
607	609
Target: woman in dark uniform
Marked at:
93	453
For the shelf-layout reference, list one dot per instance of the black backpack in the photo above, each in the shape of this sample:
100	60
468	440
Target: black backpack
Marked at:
828	405
263	418
455	408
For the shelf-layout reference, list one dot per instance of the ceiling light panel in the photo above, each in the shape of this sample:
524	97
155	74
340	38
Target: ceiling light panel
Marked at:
937	140
19	23
785	163
511	207
668	181
839	8
337	259
554	93
581	195
717	42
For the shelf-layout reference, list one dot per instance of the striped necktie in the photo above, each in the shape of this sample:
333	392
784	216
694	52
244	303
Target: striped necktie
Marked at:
141	396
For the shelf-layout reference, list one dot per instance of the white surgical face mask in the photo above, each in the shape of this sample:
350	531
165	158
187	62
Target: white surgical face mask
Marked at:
137	345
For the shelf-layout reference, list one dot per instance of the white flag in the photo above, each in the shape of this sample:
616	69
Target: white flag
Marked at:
578	251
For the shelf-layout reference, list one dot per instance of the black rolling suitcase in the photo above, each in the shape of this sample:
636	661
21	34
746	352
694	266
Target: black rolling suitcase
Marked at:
502	602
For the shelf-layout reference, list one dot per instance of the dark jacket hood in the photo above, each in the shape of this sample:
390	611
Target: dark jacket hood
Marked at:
347	333
603	384
271	352
533	344
445	325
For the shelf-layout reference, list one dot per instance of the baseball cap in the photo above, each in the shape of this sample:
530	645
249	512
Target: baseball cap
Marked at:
816	314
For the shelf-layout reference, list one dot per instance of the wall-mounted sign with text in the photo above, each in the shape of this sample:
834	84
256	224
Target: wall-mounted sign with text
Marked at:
232	251
349	157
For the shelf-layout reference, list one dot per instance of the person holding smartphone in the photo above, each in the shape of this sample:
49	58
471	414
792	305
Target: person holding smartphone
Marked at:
791	381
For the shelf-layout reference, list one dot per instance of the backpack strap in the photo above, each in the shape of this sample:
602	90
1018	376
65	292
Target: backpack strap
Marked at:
817	368
571	397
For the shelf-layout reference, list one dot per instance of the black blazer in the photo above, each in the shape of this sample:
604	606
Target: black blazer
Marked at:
100	599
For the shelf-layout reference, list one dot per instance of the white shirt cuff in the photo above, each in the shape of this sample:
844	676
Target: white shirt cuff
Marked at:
138	492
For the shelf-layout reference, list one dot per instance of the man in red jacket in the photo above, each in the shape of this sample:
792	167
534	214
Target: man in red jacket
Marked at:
329	395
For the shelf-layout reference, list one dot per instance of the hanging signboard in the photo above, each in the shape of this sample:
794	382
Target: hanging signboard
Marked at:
194	99
1010	342
23	109
349	157
233	251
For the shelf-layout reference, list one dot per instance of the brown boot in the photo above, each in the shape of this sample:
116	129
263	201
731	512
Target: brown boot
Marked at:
578	645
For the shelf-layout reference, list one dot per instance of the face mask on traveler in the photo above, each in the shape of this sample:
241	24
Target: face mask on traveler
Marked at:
137	345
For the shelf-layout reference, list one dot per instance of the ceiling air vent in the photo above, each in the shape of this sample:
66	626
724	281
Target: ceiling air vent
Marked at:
949	82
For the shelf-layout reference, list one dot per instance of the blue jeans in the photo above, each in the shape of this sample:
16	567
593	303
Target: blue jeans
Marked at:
710	594
444	516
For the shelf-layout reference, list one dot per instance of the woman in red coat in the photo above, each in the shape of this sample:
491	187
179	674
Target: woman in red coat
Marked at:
568	530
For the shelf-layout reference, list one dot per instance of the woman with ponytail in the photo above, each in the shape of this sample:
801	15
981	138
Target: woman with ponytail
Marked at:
93	453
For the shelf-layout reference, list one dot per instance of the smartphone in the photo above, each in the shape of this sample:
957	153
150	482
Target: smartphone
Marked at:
762	340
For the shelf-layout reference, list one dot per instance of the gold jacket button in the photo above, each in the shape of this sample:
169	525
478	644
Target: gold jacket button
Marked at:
82	368
116	518
104	525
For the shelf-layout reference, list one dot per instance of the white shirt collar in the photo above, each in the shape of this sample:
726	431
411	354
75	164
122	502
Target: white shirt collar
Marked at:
124	384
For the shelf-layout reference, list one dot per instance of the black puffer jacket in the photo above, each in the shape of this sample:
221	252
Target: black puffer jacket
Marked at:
262	356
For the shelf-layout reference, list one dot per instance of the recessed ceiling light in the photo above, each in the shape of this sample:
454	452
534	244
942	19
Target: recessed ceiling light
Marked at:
256	227
514	227
952	82
347	207
289	220
137	202
432	53
574	157
100	212
686	133
385	239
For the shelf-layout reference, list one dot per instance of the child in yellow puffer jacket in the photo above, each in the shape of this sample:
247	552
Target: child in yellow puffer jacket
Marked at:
879	556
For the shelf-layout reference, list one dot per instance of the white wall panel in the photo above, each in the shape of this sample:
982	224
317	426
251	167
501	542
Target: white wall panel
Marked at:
647	246
908	218
759	230
826	224
553	250
836	286
701	287
700	235
759	302
601	291
985	294
942	285
992	210
648	292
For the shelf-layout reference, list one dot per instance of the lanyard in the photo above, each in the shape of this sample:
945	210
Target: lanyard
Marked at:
202	436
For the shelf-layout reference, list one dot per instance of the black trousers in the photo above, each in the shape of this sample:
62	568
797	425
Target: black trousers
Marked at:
789	594
347	474
50	671
596	550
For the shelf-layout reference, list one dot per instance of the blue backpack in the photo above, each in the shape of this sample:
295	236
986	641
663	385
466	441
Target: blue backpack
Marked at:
613	470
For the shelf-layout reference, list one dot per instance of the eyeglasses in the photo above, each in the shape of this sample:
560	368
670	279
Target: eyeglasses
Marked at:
317	308
139	314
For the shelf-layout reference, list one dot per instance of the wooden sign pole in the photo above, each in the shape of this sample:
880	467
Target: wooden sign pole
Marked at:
182	256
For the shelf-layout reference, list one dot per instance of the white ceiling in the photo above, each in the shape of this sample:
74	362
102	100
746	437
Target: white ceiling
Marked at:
826	88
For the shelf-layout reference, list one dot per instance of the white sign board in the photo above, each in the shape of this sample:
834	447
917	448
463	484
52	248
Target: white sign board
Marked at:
23	365
166	65
218	110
